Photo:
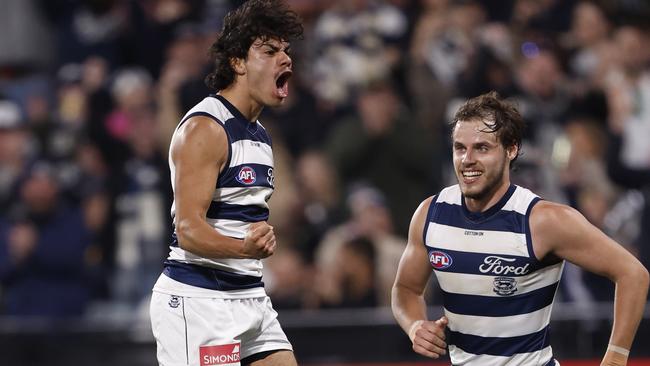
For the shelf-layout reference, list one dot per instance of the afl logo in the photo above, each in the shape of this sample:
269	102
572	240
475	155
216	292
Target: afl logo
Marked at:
246	175
440	260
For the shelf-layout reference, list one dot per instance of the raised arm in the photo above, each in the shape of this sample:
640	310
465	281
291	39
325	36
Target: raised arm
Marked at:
199	151
407	301
564	232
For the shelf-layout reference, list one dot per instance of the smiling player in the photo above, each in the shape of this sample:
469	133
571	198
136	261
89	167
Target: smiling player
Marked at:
497	251
209	306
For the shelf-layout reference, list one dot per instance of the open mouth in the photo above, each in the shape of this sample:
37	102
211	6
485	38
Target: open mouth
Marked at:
282	83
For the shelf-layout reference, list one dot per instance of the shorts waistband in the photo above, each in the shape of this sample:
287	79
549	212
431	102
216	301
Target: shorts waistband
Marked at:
209	278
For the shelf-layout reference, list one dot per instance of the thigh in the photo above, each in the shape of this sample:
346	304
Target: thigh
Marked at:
271	358
268	337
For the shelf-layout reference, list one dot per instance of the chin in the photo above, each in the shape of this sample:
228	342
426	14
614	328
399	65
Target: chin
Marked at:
473	192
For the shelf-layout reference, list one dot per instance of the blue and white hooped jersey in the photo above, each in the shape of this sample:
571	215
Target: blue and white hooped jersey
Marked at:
497	295
241	191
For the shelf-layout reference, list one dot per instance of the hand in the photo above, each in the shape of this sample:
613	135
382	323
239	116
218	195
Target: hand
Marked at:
22	242
428	337
613	359
259	241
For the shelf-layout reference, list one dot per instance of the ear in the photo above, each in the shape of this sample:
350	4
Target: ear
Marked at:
238	65
512	151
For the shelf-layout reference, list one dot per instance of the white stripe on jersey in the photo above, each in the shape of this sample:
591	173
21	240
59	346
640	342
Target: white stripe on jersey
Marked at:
482	285
250	267
541	357
519	201
450	195
503	326
243	195
232	228
243	153
500	242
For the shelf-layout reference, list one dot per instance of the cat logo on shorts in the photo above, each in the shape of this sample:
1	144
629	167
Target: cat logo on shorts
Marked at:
222	355
174	301
246	175
505	286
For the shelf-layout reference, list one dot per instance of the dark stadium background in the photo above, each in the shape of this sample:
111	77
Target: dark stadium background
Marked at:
90	92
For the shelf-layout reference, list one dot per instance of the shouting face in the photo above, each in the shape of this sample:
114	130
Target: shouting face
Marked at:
266	71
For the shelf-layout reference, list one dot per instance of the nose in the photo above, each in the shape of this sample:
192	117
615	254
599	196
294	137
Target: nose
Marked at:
285	60
468	157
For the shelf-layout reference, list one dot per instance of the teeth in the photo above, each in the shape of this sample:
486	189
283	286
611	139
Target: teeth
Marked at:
471	174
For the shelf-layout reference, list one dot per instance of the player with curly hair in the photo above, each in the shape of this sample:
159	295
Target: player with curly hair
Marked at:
209	306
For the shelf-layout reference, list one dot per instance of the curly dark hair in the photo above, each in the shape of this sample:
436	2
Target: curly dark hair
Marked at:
265	19
498	115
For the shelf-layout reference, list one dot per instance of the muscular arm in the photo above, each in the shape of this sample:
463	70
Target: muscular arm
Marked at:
563	231
407	301
199	151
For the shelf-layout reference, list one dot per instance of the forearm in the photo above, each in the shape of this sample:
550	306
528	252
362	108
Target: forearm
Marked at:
630	299
408	307
197	237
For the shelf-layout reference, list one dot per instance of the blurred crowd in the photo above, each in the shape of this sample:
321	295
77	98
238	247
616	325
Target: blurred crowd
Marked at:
91	91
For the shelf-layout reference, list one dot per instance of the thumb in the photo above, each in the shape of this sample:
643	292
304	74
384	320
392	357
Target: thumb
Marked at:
442	322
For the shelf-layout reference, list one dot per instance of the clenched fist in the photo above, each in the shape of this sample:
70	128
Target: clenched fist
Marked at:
259	241
428	337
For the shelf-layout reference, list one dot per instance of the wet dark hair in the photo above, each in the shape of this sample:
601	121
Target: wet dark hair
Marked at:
265	19
498	115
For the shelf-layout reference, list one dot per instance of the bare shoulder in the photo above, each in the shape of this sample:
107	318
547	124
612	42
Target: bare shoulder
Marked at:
551	215
200	135
422	210
555	226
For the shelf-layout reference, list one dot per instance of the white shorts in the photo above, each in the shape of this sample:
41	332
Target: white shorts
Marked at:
202	331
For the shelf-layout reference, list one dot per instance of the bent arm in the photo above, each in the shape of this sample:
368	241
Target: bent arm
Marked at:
563	231
199	151
407	301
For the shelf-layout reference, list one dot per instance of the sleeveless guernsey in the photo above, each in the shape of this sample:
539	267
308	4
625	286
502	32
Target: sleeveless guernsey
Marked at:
240	198
496	294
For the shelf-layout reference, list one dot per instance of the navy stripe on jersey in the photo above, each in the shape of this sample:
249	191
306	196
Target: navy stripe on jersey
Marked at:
239	176
249	213
430	211
241	130
498	265
201	114
209	278
498	346
477	305
452	215
529	238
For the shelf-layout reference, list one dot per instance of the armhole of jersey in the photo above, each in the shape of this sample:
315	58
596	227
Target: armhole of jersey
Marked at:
223	125
432	206
529	239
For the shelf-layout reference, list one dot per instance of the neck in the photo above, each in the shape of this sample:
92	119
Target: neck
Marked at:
483	204
243	101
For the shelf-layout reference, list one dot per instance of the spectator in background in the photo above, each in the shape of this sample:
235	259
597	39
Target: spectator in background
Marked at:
381	145
43	254
143	227
355	41
628	91
14	153
370	223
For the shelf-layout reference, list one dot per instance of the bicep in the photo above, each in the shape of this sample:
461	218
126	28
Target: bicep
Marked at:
198	152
